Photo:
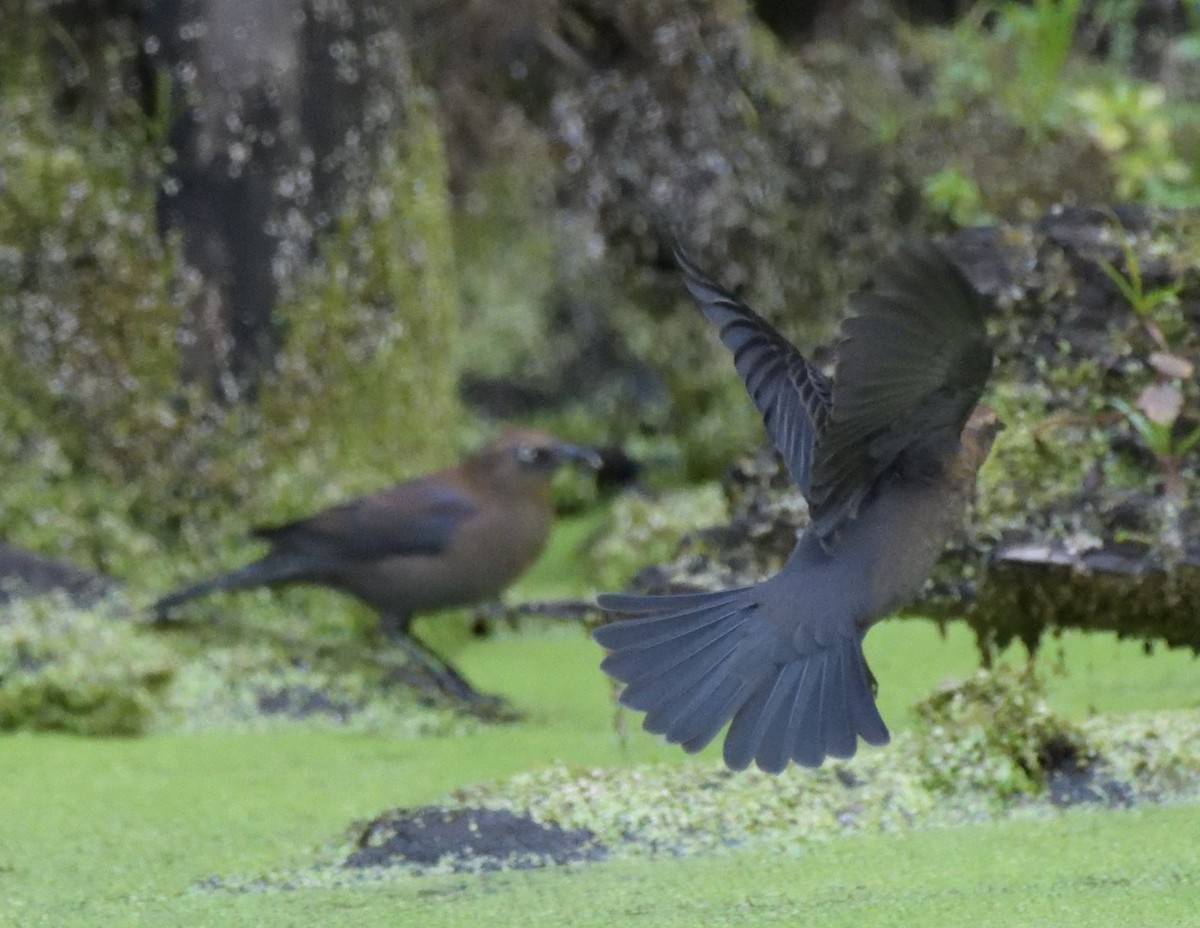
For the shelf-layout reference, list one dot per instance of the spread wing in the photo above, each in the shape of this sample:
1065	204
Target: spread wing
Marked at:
412	518
791	394
911	365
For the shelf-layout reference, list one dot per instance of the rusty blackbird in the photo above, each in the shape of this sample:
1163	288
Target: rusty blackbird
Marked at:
451	538
886	455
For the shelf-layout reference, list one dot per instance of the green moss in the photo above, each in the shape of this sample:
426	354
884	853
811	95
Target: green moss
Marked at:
993	732
259	684
647	530
87	353
1042	454
89	672
101	446
955	196
507	236
368	374
105	453
637	810
1131	122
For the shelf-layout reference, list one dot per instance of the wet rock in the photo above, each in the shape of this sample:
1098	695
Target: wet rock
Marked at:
24	573
301	702
469	840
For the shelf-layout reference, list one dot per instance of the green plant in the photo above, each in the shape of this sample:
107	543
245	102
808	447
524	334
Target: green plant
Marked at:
1154	417
1019	60
1145	303
82	671
1156	413
955	196
994	732
1131	122
1040	34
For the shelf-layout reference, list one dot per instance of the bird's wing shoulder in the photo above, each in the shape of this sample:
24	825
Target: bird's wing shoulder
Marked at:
416	517
792	395
911	365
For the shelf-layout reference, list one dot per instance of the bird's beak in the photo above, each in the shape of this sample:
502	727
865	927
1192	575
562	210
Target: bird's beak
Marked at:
579	454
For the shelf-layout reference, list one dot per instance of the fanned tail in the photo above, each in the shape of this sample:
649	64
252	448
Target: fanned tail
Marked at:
695	662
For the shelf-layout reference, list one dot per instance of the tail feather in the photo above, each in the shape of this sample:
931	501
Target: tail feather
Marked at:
802	707
654	686
838	729
807	749
862	702
674	604
774	752
747	738
659	618
661	653
268	570
685	660
695	734
669	716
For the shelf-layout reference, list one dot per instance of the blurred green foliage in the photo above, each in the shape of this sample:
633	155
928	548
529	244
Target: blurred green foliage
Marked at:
645	530
538	305
368	375
1016	61
106	454
956	196
81	671
1132	123
1016	53
993	732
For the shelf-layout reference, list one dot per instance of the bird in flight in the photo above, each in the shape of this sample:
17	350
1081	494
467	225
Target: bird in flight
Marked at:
886	454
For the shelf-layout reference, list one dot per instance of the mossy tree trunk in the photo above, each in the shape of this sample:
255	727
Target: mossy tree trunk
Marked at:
285	336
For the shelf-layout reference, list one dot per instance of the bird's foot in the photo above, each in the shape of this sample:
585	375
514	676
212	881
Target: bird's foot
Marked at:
423	670
484	705
436	689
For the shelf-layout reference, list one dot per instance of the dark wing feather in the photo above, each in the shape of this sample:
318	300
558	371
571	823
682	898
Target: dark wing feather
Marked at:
417	517
792	395
911	365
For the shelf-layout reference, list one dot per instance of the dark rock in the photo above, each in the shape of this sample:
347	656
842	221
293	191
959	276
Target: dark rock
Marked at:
23	573
469	840
301	702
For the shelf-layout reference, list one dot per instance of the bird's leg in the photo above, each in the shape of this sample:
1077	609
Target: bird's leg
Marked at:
394	625
871	681
448	680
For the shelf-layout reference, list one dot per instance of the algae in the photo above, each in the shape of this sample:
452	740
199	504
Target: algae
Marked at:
83	671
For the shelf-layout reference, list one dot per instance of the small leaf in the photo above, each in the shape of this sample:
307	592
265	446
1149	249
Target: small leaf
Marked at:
1161	402
1131	293
1172	365
1185	444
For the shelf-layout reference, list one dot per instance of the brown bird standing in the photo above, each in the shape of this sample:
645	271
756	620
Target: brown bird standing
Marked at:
454	537
886	455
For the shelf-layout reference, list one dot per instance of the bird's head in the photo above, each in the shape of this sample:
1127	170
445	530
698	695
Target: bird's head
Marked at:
524	460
